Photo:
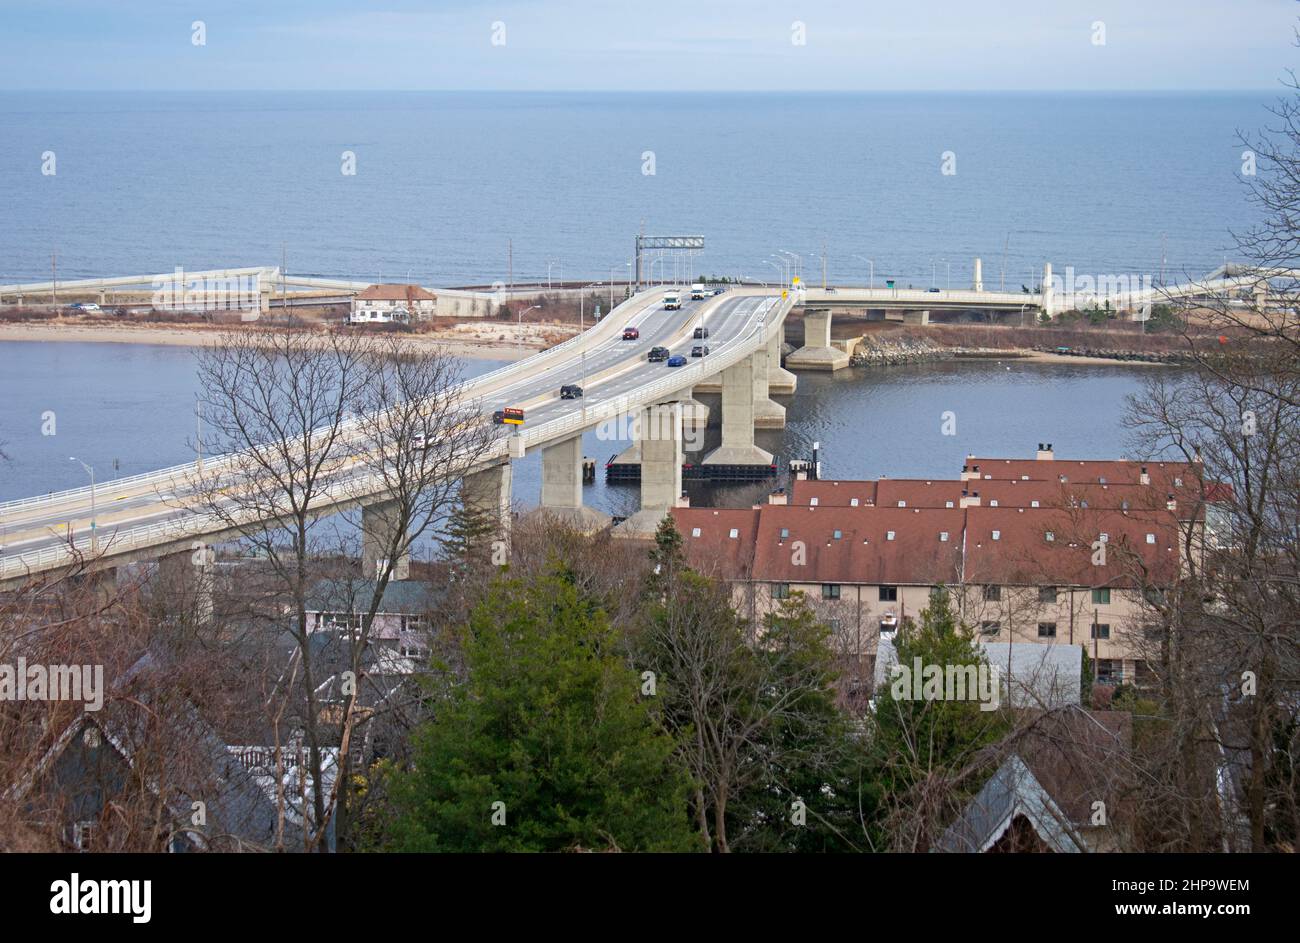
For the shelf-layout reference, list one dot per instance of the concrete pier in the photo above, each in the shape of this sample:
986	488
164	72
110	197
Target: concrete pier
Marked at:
562	487
767	414
489	492
779	380
378	524
817	352
738	446
659	435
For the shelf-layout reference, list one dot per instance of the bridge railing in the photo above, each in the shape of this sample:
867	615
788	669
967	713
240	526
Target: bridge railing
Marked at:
216	462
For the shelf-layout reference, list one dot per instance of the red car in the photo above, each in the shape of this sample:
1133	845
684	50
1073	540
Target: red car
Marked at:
631	334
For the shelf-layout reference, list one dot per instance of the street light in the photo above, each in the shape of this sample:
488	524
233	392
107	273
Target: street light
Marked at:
523	311
548	273
93	522
775	266
872	263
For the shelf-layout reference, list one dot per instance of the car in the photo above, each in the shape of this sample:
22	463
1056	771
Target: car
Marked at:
631	334
419	442
676	360
570	391
121	311
718	291
657	354
700	350
701	333
935	290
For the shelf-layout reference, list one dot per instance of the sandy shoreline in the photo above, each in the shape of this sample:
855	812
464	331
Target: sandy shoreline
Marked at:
197	337
1043	356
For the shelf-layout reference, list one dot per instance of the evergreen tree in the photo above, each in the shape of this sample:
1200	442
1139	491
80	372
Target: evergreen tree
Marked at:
548	745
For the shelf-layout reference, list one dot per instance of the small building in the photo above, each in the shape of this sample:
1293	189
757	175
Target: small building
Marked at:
388	304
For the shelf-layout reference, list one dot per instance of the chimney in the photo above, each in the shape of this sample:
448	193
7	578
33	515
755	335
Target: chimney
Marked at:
971	500
1144	478
778	497
969	471
684	501
1044	452
1171	503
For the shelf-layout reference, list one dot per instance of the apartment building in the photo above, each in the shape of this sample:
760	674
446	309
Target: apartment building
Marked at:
1071	556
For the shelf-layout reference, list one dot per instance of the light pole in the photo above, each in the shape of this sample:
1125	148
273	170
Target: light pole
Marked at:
872	262
934	273
520	332
548	274
90	470
774	266
949	265
582	298
198	433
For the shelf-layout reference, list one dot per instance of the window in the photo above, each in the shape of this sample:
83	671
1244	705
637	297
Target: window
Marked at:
83	833
902	504
1101	481
1049	536
992	593
1151	538
943	536
413	623
1101	597
947	504
1100	630
1154	596
1103	537
990	628
838	535
1047	594
830	590
734	533
695	532
889	535
1109	671
853	502
785	532
812	503
997	535
1047	630
889	594
781	591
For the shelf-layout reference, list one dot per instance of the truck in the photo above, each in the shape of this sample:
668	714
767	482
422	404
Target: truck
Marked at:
697	292
672	301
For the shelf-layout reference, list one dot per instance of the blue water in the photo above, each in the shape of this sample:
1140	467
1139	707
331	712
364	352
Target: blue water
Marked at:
147	182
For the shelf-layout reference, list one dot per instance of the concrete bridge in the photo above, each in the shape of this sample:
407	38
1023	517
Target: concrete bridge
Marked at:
160	515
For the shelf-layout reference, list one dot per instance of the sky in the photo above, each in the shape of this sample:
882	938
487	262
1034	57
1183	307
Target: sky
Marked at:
653	45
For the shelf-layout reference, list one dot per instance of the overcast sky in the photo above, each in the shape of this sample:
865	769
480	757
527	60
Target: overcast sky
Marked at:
647	44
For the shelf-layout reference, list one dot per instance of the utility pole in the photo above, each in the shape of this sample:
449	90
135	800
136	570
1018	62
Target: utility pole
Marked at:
823	265
510	264
198	432
54	277
284	291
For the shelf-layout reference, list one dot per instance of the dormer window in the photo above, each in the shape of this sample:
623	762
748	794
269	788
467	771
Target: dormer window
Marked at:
1151	538
853	503
1049	536
943	536
785	532
889	535
838	535
695	532
1033	504
997	535
812	503
735	532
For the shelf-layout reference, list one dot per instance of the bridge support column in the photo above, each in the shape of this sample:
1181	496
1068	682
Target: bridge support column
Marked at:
817	352
767	414
489	492
695	415
659	438
779	380
96	588
738	446
378	523
186	578
562	487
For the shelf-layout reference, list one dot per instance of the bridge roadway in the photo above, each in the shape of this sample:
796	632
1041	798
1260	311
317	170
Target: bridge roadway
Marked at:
148	515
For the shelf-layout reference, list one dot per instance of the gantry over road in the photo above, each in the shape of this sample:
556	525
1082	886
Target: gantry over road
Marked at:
162	515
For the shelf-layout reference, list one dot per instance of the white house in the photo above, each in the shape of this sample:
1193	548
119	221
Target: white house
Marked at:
384	304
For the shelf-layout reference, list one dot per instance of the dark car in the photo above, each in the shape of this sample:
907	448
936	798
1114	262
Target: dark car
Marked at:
701	332
718	291
631	334
700	350
935	290
657	354
676	360
570	391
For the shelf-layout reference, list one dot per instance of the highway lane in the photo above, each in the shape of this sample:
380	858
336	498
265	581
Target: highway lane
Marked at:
612	367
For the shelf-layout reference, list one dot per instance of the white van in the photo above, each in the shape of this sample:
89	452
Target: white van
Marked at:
672	301
697	293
